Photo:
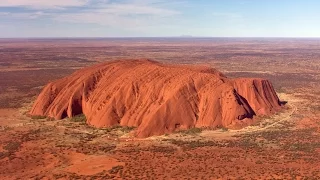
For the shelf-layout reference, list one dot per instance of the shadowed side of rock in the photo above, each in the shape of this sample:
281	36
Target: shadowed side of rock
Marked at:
259	93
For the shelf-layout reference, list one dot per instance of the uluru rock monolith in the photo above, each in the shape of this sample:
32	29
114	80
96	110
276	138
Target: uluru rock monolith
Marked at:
156	98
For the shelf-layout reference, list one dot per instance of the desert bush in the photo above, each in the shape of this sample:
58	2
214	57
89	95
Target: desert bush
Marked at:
50	119
7	128
124	129
4	155
162	149
304	147
79	118
38	117
115	169
12	146
194	144
191	131
259	162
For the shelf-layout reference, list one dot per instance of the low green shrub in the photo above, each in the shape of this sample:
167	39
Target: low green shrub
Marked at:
79	118
38	117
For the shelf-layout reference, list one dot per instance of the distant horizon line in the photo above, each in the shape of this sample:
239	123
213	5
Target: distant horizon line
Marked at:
149	37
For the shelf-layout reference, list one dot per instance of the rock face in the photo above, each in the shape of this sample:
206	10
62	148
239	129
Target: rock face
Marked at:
156	98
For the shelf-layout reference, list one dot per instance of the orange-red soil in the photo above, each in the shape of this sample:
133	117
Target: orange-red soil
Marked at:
282	146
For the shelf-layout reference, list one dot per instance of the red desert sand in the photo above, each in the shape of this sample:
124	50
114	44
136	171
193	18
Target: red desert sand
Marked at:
156	98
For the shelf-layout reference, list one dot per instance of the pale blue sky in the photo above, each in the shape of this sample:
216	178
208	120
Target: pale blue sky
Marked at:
141	18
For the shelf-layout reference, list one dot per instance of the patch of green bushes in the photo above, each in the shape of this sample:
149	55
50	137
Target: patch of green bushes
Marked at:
78	118
38	117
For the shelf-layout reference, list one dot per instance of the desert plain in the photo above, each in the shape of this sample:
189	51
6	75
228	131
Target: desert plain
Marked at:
284	145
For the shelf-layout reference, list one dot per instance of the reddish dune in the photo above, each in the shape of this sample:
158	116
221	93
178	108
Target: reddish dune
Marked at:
156	98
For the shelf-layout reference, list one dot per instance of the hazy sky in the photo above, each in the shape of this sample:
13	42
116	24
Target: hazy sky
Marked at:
123	18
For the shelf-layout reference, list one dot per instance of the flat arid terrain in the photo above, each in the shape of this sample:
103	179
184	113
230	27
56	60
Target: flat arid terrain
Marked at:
285	145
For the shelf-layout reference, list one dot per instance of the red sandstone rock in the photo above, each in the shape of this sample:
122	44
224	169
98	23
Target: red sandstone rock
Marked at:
156	98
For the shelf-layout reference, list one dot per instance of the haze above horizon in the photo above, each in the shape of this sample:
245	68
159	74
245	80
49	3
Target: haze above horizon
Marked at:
159	18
